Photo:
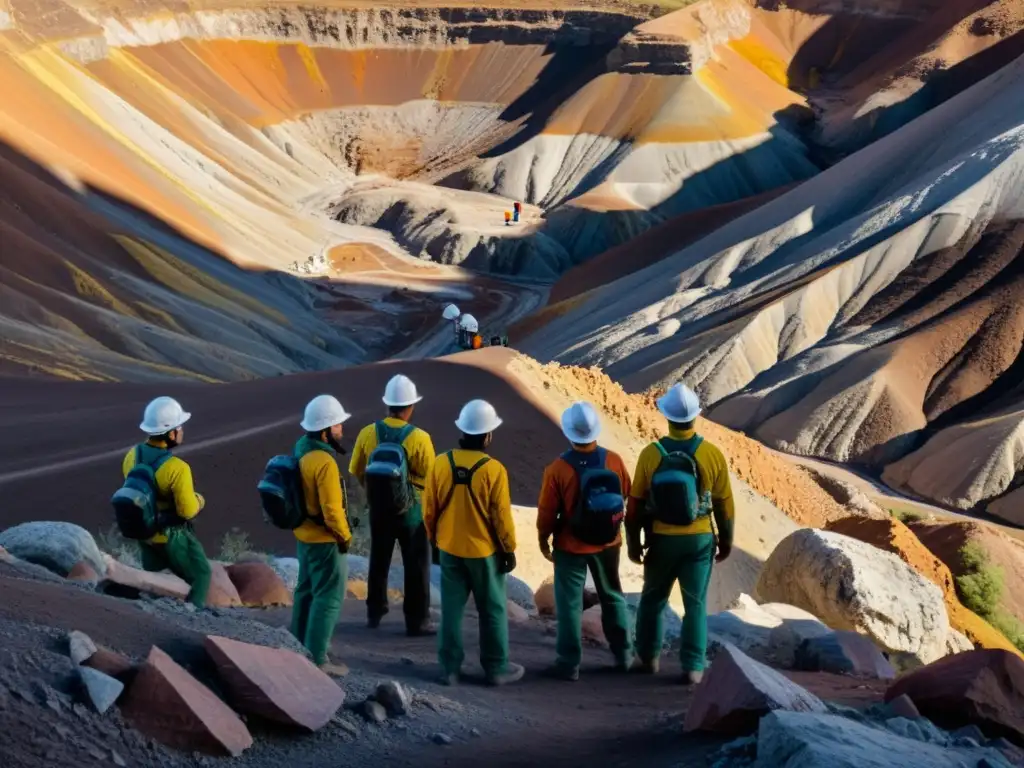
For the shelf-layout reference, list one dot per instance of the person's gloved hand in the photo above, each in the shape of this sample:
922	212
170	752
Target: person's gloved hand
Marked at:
344	545
506	562
545	548
724	550
202	501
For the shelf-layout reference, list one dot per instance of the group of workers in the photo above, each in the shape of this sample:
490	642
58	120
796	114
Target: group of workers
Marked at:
467	330
455	509
513	215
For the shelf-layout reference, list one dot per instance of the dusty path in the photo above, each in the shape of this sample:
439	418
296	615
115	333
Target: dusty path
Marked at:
605	719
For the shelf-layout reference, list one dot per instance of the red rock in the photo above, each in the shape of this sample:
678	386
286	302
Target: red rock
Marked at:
275	684
161	584
591	627
169	705
84	572
222	592
544	597
737	691
258	585
111	663
983	687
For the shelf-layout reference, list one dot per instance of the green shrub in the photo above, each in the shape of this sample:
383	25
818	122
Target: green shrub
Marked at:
981	589
906	516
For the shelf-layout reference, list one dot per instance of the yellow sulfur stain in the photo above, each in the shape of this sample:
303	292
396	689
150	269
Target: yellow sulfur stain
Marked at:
754	51
308	59
182	277
90	288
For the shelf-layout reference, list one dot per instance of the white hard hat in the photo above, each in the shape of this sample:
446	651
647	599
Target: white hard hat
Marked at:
400	391
469	323
323	412
477	417
580	424
680	404
163	415
450	312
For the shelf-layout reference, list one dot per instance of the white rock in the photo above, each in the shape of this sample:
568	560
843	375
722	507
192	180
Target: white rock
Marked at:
855	586
811	740
393	697
102	688
80	647
769	633
288	569
517	614
54	545
957	642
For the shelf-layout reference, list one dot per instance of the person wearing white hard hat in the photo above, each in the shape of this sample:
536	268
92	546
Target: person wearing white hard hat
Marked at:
176	547
467	509
680	497
582	505
469	336
391	460
324	537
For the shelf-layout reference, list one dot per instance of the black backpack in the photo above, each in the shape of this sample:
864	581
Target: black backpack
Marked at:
389	490
281	493
675	495
600	506
464	476
135	502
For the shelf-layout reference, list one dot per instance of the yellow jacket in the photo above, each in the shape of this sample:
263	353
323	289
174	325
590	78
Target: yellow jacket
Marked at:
713	474
418	446
175	489
324	494
460	530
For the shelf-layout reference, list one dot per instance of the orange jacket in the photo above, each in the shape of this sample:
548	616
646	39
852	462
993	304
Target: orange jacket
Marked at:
558	493
478	341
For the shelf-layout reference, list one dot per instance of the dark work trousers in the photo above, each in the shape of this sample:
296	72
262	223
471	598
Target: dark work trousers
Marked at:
415	546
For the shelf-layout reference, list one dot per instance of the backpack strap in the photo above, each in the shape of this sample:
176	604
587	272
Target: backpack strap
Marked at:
404	433
472	497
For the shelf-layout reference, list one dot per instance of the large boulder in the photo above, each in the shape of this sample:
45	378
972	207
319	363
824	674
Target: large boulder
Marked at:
984	687
222	592
124	580
843	653
288	569
592	627
275	684
738	691
56	546
857	587
167	704
259	585
814	740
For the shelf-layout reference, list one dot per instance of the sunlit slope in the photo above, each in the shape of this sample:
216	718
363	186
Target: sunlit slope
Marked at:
852	316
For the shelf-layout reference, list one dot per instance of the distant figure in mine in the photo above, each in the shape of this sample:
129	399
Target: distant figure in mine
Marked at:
508	218
517	208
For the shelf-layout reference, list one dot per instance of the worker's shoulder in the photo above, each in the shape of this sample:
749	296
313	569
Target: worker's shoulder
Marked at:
418	436
710	452
315	460
614	461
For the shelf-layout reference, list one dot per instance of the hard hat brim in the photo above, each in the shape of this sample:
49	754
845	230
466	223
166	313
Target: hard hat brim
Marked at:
151	430
402	404
464	428
580	438
676	417
312	426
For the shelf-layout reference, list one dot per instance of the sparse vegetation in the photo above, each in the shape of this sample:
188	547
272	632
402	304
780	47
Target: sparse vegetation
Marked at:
981	589
234	544
906	516
118	547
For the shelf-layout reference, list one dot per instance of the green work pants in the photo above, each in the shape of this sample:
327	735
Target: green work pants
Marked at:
183	556
688	560
323	574
460	577
570	578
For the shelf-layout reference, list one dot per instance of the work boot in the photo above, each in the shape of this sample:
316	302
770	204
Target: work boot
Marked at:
563	672
426	629
512	674
693	677
646	666
373	621
334	668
